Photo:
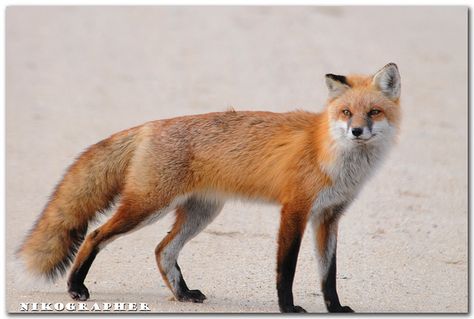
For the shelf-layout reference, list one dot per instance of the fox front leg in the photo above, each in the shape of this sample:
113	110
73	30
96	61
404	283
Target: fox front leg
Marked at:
292	226
325	231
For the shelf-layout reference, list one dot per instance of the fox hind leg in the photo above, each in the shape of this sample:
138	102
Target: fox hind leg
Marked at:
191	218
125	219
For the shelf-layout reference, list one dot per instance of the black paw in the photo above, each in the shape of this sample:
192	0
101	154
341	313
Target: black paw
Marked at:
78	292
292	309
192	296
346	309
341	309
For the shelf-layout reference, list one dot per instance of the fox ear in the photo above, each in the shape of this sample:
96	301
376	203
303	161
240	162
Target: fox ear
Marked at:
387	80
336	84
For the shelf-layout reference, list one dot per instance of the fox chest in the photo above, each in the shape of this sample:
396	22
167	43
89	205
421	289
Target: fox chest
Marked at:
348	175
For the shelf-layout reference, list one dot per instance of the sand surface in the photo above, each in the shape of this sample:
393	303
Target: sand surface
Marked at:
77	75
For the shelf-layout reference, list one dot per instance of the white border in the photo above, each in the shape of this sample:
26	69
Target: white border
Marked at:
242	2
7	3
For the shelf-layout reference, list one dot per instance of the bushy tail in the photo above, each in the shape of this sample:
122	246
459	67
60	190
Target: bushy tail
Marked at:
88	187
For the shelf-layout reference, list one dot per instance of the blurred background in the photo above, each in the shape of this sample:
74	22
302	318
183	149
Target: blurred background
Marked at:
75	75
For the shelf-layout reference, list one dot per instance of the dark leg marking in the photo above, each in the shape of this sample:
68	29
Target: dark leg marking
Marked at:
76	288
329	290
186	294
286	274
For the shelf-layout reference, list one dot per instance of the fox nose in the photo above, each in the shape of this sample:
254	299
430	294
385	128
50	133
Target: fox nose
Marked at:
357	131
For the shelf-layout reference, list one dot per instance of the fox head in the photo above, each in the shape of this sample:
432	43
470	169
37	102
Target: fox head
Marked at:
364	110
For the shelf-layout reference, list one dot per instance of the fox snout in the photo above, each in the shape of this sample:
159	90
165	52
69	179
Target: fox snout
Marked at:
353	131
359	132
357	127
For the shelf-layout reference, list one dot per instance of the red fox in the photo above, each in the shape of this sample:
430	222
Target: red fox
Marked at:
312	164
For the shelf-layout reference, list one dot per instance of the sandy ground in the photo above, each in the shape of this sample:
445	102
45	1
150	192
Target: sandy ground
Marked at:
77	75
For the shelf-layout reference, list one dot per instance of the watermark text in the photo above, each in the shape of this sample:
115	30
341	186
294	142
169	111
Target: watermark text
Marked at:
82	306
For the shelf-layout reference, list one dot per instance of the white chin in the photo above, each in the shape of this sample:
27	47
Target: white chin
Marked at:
362	140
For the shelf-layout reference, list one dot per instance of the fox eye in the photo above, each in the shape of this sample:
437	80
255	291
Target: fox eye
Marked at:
374	112
346	112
